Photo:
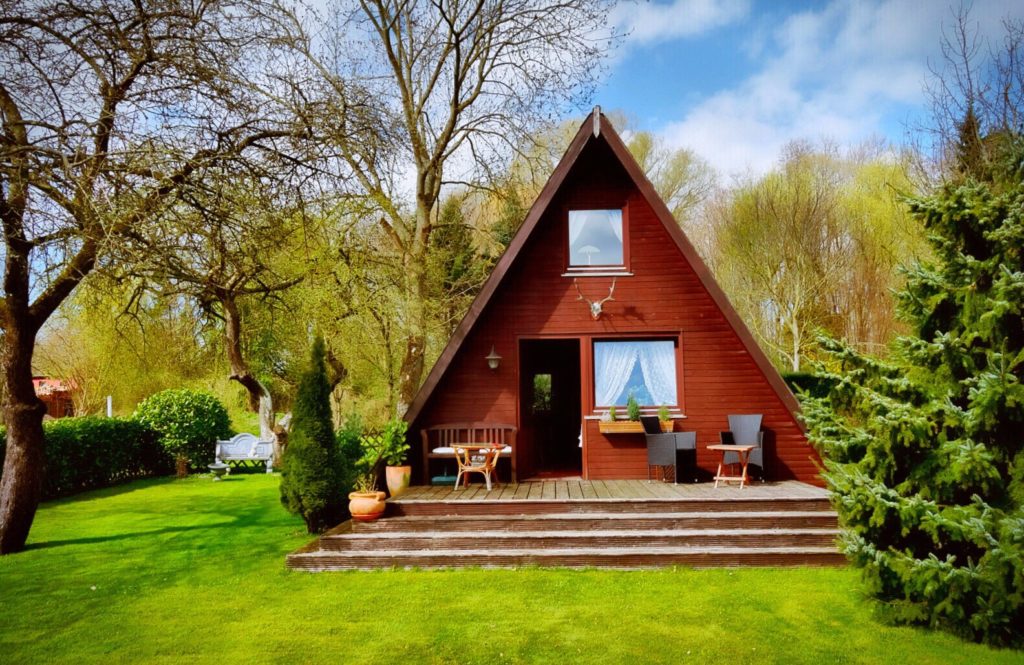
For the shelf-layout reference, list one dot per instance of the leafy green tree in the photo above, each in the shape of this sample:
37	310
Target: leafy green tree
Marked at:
314	471
926	454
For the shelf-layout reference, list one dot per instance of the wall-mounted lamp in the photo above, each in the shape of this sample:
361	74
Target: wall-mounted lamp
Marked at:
493	359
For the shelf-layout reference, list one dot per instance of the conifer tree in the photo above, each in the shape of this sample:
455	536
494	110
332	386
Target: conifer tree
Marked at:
969	152
926	449
314	473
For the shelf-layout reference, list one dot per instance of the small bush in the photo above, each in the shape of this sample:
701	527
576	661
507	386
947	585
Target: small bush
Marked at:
314	470
189	423
91	452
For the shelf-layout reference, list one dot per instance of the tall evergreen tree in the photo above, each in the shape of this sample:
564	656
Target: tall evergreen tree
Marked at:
314	474
969	152
926	449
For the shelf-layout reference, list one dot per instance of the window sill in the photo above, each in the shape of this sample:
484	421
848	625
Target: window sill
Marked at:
611	272
597	416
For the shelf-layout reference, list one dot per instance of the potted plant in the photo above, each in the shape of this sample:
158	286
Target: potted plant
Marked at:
393	450
633	409
665	418
366	503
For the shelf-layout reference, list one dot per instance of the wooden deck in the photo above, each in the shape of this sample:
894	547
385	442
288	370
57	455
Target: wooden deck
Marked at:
579	490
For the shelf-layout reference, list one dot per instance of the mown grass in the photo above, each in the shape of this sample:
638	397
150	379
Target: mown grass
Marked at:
169	571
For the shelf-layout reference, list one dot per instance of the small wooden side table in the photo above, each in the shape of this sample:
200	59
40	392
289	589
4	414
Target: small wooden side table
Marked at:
743	452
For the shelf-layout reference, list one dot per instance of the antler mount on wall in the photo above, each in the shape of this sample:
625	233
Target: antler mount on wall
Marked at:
595	305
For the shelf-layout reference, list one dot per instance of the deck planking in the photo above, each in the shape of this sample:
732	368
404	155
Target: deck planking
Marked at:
580	490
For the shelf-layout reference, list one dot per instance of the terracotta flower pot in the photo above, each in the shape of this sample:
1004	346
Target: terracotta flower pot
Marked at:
366	506
398	479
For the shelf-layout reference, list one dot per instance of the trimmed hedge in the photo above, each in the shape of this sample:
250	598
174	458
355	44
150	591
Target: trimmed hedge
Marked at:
91	452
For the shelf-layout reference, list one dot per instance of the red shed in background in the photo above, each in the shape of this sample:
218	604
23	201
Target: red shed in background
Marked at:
56	394
667	335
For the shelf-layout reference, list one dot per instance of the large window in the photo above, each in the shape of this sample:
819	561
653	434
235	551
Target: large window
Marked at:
595	239
645	369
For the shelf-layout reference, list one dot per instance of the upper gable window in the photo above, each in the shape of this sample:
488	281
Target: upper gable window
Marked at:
596	239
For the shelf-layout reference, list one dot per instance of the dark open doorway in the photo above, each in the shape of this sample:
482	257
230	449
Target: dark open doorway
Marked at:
549	407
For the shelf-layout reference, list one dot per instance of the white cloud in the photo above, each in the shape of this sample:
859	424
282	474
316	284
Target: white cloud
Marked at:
651	22
839	72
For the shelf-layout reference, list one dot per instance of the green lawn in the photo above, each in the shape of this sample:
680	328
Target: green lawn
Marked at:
166	570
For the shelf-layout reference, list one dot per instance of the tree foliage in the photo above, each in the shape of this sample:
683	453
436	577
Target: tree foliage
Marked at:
314	470
926	454
816	244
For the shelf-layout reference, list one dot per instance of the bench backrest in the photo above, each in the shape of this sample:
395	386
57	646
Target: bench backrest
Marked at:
243	441
452	433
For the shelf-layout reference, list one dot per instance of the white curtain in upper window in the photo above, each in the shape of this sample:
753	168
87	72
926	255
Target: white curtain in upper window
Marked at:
658	364
615	220
613	364
577	220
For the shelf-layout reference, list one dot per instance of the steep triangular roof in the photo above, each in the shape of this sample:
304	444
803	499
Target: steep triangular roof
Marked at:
598	128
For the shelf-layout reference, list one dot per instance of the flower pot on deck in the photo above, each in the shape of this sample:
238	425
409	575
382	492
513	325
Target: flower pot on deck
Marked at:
398	479
366	506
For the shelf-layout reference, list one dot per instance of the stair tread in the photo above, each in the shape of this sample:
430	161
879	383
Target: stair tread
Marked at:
573	551
615	516
643	499
590	533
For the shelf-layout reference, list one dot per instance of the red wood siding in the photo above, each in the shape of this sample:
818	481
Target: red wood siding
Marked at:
664	297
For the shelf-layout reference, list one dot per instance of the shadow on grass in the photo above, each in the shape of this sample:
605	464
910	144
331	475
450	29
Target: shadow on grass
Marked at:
124	487
124	536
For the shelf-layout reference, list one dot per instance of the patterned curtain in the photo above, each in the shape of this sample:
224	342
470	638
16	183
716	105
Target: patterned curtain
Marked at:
658	364
613	363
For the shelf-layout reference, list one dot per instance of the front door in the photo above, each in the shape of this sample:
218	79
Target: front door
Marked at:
550	411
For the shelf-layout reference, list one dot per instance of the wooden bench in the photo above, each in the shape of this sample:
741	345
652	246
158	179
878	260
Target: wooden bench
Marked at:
245	448
439	442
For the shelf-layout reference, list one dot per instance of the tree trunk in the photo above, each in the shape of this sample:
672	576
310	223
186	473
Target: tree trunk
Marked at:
411	372
22	483
260	400
794	326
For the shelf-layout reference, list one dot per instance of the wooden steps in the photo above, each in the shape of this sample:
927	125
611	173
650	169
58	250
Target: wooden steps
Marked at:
587	521
614	533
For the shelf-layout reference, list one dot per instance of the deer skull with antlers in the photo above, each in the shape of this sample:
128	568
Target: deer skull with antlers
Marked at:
595	305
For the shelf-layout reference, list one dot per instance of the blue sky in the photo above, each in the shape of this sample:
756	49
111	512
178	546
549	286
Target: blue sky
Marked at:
735	80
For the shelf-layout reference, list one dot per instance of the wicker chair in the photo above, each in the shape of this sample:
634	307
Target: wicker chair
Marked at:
476	459
663	447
